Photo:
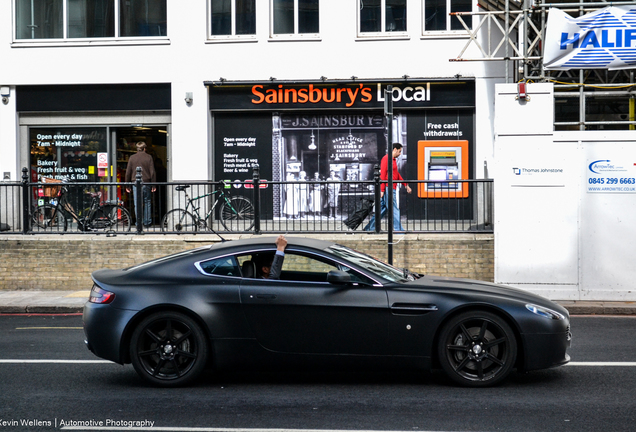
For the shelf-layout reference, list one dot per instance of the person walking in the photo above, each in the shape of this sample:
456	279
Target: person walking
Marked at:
384	175
148	175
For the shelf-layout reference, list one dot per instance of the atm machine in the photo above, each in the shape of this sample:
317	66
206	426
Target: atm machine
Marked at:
441	162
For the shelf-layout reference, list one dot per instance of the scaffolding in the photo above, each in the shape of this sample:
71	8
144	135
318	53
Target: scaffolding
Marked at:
513	32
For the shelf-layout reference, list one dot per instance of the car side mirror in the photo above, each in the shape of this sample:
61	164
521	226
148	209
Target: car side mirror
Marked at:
338	277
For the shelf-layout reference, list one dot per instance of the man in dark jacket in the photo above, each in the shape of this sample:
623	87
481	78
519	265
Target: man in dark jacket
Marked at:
271	268
148	175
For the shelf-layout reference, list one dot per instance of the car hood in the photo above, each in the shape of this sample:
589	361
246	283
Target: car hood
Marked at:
475	287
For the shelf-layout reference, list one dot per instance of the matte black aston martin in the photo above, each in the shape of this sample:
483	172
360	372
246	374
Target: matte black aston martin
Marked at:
174	316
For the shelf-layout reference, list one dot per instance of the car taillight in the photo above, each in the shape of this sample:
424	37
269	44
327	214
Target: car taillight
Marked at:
101	296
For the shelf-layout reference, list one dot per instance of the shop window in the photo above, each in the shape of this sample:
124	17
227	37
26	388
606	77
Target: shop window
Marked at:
382	16
45	19
232	17
437	15
295	17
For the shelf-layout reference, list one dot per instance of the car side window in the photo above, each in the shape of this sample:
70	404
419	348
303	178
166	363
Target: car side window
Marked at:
226	266
303	268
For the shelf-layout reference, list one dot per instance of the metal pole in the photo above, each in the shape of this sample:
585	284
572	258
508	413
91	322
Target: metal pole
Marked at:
388	113
139	196
256	178
26	201
377	209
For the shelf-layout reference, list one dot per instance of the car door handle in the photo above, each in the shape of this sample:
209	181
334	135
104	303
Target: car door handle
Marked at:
266	296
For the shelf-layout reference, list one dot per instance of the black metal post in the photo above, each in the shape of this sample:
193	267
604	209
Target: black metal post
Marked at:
26	201
139	196
256	177
388	112
378	198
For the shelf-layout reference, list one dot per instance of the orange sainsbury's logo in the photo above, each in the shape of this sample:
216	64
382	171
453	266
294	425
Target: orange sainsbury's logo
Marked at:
311	94
348	95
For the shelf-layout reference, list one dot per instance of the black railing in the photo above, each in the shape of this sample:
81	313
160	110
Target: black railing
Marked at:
254	206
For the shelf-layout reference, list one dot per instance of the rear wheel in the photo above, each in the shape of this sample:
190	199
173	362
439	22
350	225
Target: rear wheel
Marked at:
237	214
110	217
168	349
178	220
477	349
48	218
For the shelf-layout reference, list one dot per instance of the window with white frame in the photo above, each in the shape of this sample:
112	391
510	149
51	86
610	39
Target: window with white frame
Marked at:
295	17
437	15
382	16
232	17
74	19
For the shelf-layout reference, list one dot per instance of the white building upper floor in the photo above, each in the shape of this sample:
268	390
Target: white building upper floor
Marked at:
135	41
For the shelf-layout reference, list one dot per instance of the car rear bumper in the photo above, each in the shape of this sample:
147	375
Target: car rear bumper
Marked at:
104	329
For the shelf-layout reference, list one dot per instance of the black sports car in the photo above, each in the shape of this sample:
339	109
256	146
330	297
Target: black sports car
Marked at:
332	305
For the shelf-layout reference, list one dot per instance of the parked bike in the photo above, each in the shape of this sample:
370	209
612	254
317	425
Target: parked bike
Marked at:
100	216
236	213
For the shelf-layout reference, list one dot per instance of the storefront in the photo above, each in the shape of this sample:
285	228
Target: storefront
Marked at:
86	133
336	131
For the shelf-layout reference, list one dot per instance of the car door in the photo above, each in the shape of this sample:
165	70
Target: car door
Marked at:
303	313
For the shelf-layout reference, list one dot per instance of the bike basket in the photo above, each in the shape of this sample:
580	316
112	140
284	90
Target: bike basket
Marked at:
51	191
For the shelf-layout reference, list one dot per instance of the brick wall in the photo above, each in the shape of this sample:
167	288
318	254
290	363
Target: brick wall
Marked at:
52	262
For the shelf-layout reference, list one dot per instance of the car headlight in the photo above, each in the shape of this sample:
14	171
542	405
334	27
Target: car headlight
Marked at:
545	312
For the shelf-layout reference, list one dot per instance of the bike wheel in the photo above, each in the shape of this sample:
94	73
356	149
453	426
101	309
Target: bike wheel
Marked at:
178	220
237	214
110	217
48	218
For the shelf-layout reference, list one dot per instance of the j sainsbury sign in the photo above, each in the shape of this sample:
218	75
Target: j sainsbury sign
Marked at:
605	39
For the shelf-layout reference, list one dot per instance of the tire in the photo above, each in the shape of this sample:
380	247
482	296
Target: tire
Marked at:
238	214
46	218
178	220
477	349
110	217
168	349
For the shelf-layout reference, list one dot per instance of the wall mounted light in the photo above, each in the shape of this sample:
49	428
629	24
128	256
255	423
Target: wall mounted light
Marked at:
188	98
5	92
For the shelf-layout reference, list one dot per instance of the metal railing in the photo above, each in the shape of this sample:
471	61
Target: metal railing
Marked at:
254	206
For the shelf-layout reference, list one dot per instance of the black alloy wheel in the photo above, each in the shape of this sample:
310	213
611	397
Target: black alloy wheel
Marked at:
168	349
477	349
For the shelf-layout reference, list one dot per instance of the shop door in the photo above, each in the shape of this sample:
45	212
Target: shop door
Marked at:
123	146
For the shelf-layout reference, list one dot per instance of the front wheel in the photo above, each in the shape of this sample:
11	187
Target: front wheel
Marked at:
178	220
477	349
48	218
168	349
237	214
110	217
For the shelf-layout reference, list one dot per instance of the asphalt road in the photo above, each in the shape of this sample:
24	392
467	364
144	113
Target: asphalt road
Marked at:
49	381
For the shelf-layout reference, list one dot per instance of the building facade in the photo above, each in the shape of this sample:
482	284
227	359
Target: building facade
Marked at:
86	79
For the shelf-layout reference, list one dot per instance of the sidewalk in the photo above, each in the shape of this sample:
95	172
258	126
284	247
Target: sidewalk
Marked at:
34	302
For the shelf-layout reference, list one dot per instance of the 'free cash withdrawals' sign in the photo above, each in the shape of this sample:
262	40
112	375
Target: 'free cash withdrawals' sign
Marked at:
604	39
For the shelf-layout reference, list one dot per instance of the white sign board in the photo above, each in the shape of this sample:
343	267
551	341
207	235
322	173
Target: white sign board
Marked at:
604	39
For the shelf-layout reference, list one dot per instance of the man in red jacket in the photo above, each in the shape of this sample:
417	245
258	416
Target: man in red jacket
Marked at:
384	175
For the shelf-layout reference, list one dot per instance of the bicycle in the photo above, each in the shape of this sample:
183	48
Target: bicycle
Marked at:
236	213
99	217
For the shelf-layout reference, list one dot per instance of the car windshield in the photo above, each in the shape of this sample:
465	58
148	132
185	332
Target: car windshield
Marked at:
372	265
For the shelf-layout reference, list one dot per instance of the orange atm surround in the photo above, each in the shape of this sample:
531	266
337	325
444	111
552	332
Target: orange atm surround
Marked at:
443	149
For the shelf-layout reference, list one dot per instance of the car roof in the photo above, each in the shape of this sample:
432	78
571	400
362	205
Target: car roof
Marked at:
270	241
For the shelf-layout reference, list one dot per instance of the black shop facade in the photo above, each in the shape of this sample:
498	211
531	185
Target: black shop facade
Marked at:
303	130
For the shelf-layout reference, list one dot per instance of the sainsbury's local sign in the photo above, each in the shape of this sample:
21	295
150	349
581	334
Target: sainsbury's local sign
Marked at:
604	39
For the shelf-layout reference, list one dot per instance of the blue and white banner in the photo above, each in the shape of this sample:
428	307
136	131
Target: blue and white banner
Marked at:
605	39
